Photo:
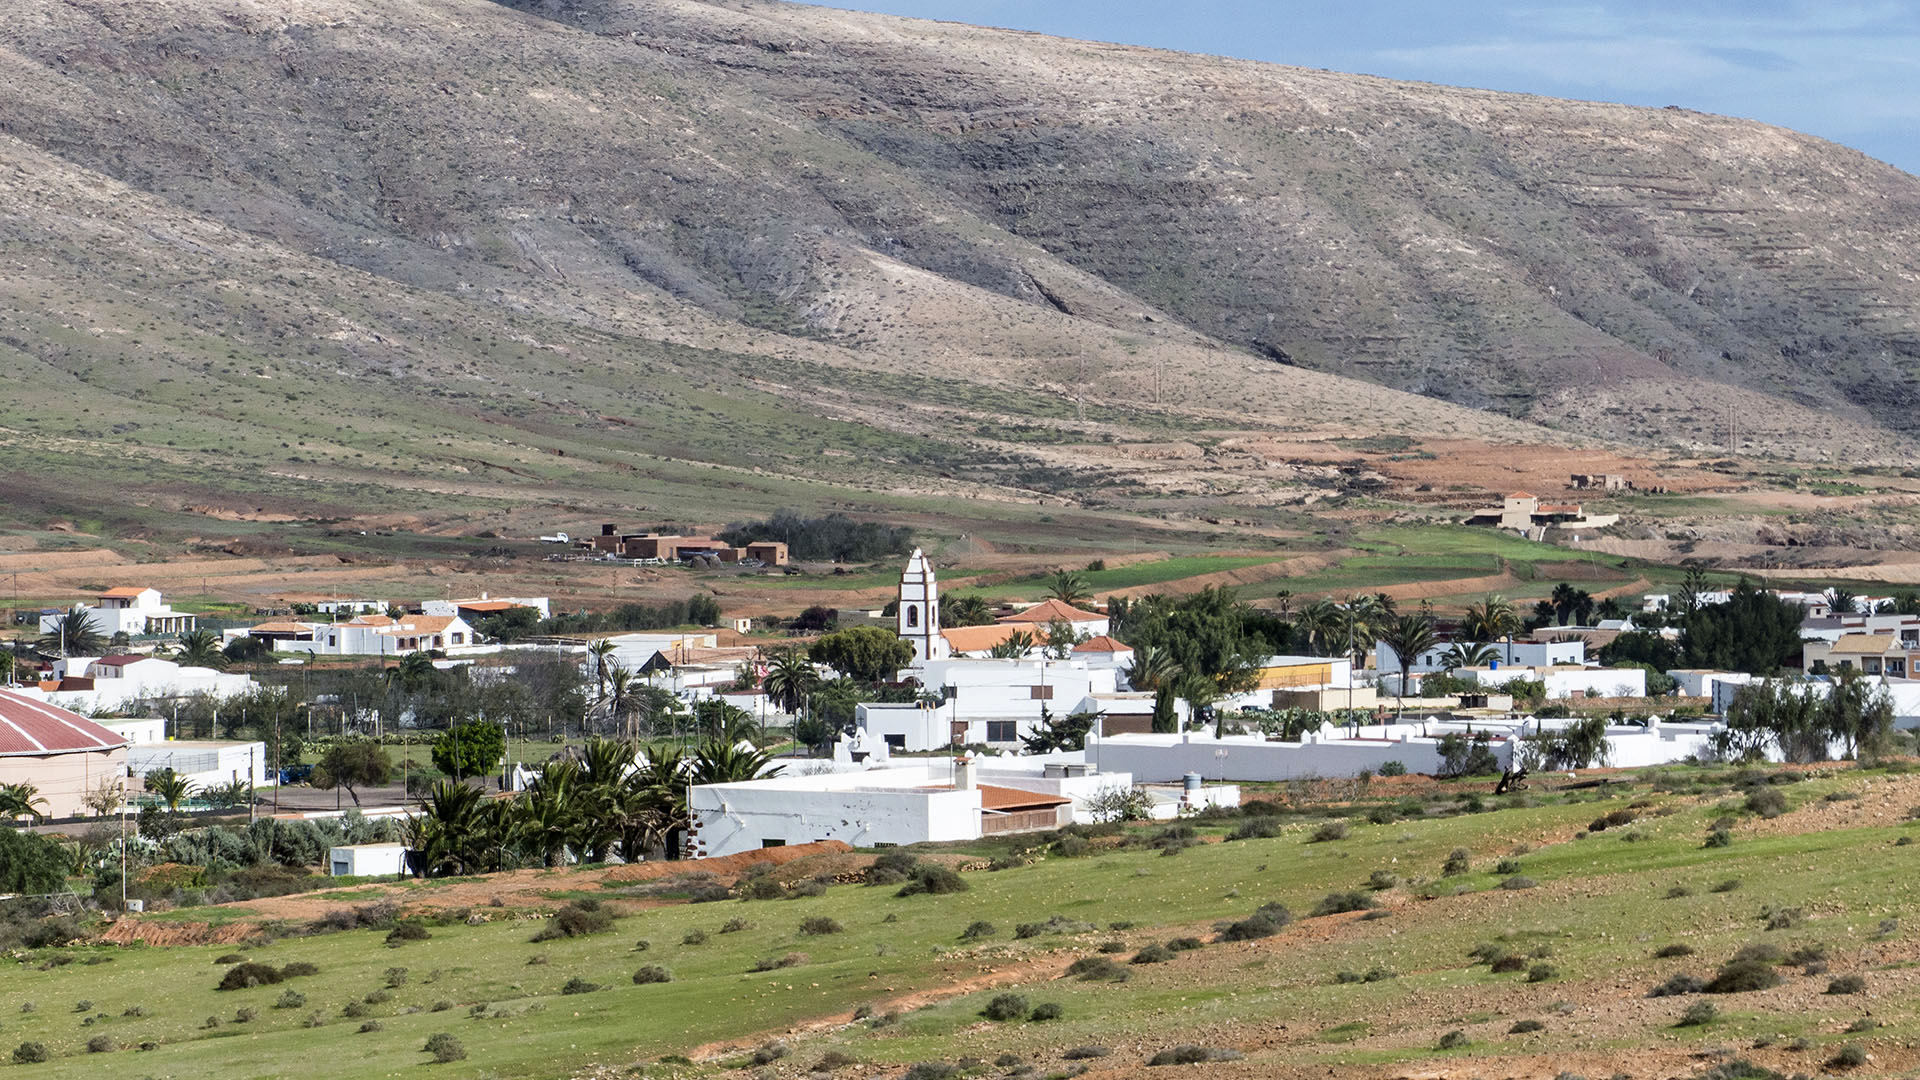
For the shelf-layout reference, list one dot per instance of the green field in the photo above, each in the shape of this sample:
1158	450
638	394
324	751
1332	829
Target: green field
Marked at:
1600	907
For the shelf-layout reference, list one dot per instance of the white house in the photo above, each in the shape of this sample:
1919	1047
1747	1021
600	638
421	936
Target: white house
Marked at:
112	683
367	860
367	635
1561	682
133	610
483	604
932	800
1533	654
207	763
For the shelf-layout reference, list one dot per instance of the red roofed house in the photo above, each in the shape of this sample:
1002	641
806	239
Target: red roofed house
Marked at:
1523	512
61	753
1047	612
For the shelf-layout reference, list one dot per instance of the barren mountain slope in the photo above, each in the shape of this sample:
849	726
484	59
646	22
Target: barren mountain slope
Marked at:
681	230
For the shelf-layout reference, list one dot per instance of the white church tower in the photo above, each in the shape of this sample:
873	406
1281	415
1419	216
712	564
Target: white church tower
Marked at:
918	620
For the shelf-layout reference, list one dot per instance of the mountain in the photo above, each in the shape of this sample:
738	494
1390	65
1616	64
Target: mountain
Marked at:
381	255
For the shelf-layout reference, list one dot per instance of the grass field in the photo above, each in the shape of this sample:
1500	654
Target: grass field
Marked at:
1599	908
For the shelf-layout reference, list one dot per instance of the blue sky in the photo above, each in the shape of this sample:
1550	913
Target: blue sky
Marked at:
1843	70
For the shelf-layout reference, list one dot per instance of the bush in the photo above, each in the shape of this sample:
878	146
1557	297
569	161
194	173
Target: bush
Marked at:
298	969
1085	1053
290	999
1698	1014
1727	886
1192	1055
1459	861
652	973
1047	1010
1453	1040
1111	947
1742	977
1503	964
102	1044
407	930
578	985
694	937
1523	1027
244	1016
30	1053
1337	903
1848	984
371	1026
1265	922
1542	973
1261	828
1328	831
1392	768
1678	892
1678	985
930	1070
820	924
932	879
1382	879
1005	1007
445	1048
230	958
1055	924
1665	952
1096	969
1613	820
1185	944
1782	918
735	925
1850	1056
1767	802
776	963
1152	954
248	974
1718	838
578	919
834	1059
1507	866
354	1010
770	1052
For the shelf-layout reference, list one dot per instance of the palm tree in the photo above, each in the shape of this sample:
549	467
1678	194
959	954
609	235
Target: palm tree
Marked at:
1583	604
20	800
172	788
1321	621
618	697
1611	608
546	819
1198	690
1152	667
453	832
1069	587
600	650
1564	599
790	680
414	671
1018	644
1691	588
75	633
1468	654
200	648
1844	601
1283	603
1408	636
720	762
965	609
7	666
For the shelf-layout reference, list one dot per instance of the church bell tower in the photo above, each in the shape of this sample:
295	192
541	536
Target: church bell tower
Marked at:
918	620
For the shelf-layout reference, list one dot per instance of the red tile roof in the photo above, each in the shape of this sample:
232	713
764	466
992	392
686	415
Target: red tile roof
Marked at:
121	660
1103	643
124	592
1051	610
1521	495
977	638
31	728
486	605
1005	798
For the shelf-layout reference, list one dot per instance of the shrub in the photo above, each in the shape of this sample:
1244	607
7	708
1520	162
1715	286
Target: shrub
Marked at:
1782	918
1865	1023
1767	802
932	879
1503	964
1382	879
1192	1055
1262	828
135	1011
1678	985
1507	866
1265	922
230	958
1185	944
407	930
1741	977
1542	973
834	1059
371	1026
694	937
244	1016
1808	954
1345	977
1111	947
1718	838
652	973
396	977
1085	1053
1850	1056
1392	768
776	963
445	1048
290	999
1727	886
1678	891
770	1052
1378	974
30	1053
1328	831
578	919
1336	903
1453	1040
1055	924
353	1010
102	1044
1096	969
1760	952
735	925
1152	954
930	1070
1047	1010
1522	1027
1005	1007
298	969
578	985
1611	821
1698	1014
243	975
820	924
1459	861
1668	951
1848	984
1519	881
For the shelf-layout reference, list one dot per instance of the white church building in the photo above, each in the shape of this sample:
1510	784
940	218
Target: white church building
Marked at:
918	619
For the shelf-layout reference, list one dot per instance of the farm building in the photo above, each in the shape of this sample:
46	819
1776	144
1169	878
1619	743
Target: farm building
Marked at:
367	860
62	754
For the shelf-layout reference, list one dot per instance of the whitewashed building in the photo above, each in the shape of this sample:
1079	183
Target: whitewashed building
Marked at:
134	610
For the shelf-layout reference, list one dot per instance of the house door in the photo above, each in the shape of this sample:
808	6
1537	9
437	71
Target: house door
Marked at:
959	733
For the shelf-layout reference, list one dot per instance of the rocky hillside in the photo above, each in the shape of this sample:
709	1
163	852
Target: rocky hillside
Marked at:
681	228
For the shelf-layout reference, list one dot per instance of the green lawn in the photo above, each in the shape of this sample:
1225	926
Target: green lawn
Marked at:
1599	907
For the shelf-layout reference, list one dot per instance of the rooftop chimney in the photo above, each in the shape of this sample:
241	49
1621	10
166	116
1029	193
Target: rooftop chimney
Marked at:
963	774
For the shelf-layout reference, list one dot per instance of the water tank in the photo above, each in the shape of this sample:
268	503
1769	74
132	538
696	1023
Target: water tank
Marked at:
1192	783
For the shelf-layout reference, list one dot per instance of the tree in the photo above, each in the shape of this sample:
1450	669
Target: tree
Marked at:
1408	636
790	680
414	672
1150	668
965	609
719	762
1641	647
816	619
1581	744
1859	714
200	648
1060	733
75	633
352	765
1061	638
1843	601
7	665
1116	803
1018	644
602	651
171	788
1198	691
1688	598
1320	621
1777	713
1069	587
471	749
1753	631
105	797
866	653
1467	654
21	800
1166	720
1565	598
30	864
1461	755
718	720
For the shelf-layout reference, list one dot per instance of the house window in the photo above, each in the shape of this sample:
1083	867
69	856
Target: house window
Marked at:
458	638
1003	730
895	742
1040	693
913	616
768	841
333	640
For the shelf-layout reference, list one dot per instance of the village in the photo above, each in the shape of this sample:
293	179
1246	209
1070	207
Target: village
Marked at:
937	717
